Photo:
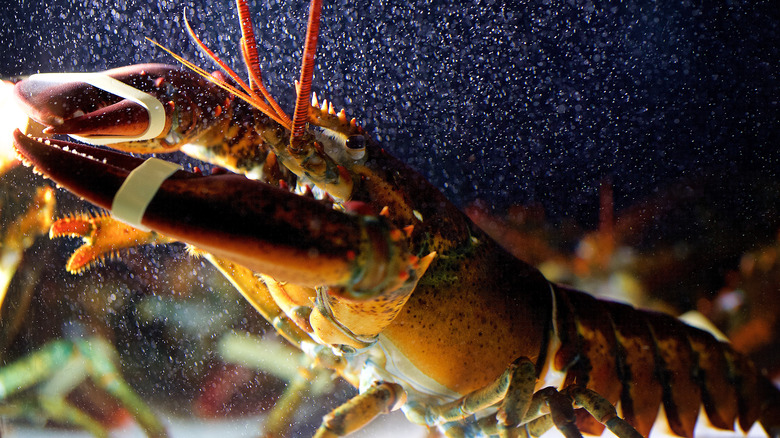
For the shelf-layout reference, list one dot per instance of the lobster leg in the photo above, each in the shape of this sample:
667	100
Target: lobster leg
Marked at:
518	397
91	357
540	426
536	427
513	389
381	398
520	406
561	415
106	374
561	410
603	411
256	292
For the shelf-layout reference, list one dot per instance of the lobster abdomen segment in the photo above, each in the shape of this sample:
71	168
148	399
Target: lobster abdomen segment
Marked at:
657	360
679	372
642	392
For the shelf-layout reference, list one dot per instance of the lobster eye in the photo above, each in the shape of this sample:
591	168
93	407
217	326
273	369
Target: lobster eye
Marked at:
356	142
356	146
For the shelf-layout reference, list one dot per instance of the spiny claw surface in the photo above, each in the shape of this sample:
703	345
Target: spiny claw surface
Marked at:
103	236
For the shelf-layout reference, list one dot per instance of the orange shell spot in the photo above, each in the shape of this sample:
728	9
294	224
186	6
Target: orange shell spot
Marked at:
396	234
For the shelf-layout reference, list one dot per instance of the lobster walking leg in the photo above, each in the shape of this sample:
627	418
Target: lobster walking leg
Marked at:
254	290
603	411
540	426
520	406
518	396
518	380
381	398
561	410
92	358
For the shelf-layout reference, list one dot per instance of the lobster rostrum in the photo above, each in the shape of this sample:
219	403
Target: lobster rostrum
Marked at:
364	265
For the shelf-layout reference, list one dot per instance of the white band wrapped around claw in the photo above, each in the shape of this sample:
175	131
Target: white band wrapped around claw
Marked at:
140	186
107	83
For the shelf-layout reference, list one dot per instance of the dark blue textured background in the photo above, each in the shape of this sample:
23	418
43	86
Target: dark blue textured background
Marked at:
509	102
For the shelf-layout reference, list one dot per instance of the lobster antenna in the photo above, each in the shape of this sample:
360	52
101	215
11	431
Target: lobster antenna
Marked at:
249	52
245	93
249	45
255	101
301	115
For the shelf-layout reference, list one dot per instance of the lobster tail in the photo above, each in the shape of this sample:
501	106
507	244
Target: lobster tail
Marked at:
658	361
770	411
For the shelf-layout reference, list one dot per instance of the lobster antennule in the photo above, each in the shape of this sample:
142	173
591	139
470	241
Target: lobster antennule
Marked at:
246	92
211	55
246	96
301	114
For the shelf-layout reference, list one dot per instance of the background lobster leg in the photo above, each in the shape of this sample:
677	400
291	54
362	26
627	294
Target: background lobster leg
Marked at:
283	414
381	398
21	234
101	367
304	379
55	366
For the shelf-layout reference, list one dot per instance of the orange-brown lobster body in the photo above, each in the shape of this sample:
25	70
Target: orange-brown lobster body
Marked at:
405	295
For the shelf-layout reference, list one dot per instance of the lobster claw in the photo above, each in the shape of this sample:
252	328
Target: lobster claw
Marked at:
139	108
265	228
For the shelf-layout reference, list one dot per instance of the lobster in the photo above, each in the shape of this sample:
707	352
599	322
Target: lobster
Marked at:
364	265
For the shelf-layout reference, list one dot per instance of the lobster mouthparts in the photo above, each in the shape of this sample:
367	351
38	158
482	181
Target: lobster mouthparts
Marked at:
264	228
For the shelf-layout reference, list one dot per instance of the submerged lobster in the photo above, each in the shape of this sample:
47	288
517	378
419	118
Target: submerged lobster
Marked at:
364	265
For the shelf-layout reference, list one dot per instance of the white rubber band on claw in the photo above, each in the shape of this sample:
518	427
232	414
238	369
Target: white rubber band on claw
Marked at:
152	105
138	190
